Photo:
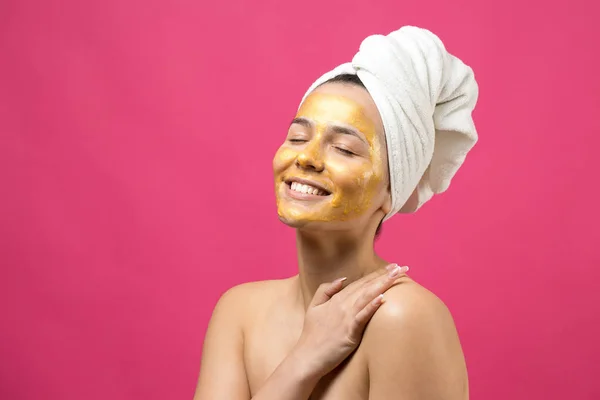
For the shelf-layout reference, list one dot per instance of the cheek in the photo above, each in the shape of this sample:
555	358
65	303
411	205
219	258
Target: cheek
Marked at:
357	186
360	184
378	169
283	158
370	184
360	179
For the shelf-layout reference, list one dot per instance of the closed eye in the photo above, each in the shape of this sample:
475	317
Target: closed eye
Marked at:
344	151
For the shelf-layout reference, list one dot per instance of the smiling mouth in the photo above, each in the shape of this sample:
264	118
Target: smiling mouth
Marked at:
306	189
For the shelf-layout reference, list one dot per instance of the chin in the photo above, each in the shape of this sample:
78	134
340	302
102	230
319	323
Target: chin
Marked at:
325	223
294	222
298	221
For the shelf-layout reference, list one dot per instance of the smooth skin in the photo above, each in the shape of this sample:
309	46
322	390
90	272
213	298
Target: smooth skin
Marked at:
315	335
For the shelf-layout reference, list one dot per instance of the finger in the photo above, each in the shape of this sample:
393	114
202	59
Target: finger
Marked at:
326	291
365	280
367	312
377	287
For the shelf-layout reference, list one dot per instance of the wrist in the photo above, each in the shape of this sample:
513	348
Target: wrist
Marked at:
301	366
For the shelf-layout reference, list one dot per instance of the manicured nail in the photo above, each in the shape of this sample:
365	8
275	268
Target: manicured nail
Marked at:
395	272
404	269
378	300
391	267
340	280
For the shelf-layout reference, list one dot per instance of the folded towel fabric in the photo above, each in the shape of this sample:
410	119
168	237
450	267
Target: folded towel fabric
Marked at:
425	97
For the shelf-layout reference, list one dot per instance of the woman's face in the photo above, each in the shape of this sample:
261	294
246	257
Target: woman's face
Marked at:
331	171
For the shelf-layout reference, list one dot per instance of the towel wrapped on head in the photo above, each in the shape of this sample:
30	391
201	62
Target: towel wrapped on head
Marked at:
425	97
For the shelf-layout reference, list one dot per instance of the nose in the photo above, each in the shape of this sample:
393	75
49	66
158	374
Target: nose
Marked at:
310	158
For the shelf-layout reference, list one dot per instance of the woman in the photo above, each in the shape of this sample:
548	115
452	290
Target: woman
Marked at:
351	325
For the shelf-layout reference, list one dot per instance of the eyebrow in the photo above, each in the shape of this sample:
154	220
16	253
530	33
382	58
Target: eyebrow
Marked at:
336	128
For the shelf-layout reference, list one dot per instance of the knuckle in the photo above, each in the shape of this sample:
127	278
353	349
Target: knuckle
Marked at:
379	285
344	309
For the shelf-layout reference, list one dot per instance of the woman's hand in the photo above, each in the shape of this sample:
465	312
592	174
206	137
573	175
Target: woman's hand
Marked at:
337	316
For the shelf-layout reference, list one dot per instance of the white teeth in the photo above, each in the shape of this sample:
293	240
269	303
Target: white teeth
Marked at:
299	187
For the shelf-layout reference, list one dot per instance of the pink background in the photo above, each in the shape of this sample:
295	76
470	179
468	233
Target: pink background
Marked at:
136	140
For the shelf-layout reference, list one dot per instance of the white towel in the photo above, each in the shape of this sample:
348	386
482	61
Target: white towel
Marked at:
425	97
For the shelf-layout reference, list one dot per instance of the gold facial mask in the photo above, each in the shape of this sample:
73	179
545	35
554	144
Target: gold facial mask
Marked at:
353	180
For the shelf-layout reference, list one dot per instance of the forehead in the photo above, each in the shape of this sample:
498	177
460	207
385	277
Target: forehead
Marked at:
346	104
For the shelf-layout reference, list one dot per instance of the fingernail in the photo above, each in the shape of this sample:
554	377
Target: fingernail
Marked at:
391	267
395	272
340	280
378	300
405	268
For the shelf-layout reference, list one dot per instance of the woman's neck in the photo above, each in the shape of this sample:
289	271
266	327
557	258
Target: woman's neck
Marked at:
326	256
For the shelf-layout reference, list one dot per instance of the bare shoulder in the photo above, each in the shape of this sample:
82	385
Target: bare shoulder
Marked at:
412	346
408	304
257	291
223	372
244	300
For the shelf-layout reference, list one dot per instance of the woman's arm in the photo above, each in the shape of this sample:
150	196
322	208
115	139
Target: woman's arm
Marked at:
222	372
292	380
